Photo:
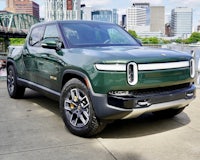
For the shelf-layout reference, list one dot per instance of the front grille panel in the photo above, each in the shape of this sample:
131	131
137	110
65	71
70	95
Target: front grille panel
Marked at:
159	90
146	97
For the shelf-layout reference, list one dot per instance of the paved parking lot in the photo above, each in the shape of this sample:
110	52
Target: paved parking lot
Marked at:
31	129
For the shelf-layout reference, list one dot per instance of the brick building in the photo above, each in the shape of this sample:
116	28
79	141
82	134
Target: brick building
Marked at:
23	6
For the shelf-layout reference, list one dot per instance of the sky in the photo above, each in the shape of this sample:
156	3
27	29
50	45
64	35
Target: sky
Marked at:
123	4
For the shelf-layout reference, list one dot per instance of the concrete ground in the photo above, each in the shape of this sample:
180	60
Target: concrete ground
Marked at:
31	129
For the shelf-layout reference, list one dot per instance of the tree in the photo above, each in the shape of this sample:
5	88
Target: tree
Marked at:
153	40
194	38
132	33
17	41
145	41
179	40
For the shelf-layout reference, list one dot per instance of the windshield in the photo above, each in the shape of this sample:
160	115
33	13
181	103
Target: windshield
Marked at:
96	34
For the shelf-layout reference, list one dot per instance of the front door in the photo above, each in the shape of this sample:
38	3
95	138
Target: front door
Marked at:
30	50
49	63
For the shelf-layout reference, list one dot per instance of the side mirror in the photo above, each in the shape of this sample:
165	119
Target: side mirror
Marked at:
52	43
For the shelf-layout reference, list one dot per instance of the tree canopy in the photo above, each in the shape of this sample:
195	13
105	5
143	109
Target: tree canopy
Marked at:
132	33
17	41
194	38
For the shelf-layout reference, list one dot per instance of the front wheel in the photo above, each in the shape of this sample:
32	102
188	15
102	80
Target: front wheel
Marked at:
77	110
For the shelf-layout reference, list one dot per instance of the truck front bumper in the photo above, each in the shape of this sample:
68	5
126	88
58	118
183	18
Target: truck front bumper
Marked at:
108	106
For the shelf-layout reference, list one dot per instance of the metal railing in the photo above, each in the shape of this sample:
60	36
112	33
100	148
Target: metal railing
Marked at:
16	22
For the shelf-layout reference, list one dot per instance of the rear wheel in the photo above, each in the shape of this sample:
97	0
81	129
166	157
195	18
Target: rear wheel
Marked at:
77	110
168	113
14	90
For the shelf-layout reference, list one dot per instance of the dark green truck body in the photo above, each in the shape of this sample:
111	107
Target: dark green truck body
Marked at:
123	81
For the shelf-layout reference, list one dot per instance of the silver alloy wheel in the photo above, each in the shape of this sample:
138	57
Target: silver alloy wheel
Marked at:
11	81
77	107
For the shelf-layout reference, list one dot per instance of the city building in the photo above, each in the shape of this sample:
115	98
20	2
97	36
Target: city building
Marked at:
124	21
115	16
73	9
86	13
138	16
167	29
105	16
181	22
55	10
198	28
23	6
157	19
62	10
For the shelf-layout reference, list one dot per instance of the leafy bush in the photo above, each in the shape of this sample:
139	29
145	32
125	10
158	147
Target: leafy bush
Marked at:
132	33
17	41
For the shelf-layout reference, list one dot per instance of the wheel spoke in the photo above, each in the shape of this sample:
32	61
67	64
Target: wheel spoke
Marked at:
86	115
75	94
83	120
67	108
74	119
84	102
68	101
85	105
10	82
9	78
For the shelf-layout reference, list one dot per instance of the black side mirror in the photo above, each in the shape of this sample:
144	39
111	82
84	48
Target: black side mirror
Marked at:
52	43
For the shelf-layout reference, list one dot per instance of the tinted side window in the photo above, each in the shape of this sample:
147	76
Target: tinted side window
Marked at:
51	32
36	36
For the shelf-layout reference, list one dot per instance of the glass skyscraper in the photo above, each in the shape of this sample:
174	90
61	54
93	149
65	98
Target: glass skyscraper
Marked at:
181	22
105	16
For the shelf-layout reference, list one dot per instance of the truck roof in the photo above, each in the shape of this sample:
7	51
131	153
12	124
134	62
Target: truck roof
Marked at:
69	21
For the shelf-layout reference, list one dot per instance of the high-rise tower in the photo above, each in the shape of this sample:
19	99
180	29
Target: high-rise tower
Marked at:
157	19
181	22
62	10
138	16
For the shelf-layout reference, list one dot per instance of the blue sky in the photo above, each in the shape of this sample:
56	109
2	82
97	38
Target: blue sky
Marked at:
123	4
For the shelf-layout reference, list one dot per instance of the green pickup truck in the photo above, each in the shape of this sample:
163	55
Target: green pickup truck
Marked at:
99	73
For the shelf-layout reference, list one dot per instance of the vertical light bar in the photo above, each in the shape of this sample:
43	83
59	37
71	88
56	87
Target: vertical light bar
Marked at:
132	73
192	68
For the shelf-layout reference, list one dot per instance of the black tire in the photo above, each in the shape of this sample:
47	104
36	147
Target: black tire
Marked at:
168	113
77	110
14	90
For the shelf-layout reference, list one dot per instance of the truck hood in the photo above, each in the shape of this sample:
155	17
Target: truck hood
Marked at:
138	54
